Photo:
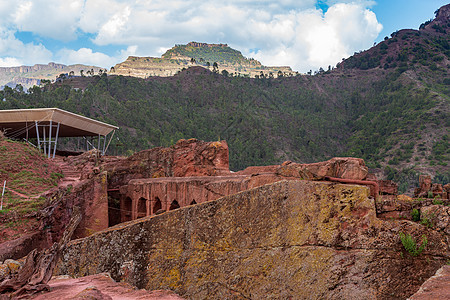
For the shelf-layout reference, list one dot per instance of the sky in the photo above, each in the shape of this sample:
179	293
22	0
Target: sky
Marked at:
302	34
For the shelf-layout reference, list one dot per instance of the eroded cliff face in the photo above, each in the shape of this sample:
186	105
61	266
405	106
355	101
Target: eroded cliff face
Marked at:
290	239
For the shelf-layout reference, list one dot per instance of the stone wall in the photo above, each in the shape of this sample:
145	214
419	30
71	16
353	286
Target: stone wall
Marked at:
290	239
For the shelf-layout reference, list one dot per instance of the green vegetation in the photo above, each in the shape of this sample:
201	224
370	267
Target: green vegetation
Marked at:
203	54
427	220
410	244
438	202
415	214
383	115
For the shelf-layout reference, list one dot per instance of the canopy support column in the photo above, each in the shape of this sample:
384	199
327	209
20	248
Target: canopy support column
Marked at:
50	139
104	144
37	134
109	141
44	141
56	140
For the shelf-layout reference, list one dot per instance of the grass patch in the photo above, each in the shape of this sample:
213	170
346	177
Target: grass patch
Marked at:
411	245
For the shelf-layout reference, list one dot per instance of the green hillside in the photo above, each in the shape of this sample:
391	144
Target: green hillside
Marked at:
203	52
396	117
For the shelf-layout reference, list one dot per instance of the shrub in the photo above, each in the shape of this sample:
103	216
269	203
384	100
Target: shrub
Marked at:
426	220
410	244
415	214
438	202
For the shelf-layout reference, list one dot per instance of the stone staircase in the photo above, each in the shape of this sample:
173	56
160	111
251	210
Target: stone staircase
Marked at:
71	174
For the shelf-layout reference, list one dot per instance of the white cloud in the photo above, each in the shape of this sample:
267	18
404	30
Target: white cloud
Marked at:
49	18
10	62
15	53
319	40
88	57
283	32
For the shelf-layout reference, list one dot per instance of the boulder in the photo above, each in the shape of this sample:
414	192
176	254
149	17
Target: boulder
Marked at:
436	287
388	187
340	167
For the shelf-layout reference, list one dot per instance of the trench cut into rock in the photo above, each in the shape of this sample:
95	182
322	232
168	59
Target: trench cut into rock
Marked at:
290	239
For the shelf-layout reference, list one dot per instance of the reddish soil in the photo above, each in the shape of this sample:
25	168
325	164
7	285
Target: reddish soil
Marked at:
28	174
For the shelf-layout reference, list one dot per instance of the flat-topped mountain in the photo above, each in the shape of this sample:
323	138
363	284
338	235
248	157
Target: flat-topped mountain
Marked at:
215	57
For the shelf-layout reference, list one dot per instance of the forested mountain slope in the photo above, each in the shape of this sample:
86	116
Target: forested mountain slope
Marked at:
388	106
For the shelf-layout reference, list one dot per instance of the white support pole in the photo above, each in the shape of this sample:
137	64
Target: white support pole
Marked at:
45	140
1	204
50	139
56	140
110	140
37	134
98	147
104	144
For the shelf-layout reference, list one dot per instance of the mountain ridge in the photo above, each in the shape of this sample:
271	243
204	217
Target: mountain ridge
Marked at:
28	76
219	58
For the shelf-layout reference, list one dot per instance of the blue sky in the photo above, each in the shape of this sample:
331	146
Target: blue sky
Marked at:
304	34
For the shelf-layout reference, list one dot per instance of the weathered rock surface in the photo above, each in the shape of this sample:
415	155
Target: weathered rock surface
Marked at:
436	287
101	287
388	187
427	189
341	167
91	196
291	239
401	206
437	216
186	158
21	246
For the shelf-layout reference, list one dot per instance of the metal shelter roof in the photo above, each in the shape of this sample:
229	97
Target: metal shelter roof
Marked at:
21	123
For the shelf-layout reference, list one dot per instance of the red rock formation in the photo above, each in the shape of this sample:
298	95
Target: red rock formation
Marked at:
186	158
99	286
435	288
388	187
340	167
196	158
427	189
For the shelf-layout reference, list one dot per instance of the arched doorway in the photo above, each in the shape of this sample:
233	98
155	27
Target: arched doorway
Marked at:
142	208
157	206
193	202
126	209
174	205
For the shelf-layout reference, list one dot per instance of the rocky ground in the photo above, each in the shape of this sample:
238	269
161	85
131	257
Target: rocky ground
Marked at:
99	287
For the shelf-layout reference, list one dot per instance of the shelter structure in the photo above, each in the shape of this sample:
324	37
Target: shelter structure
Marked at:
48	124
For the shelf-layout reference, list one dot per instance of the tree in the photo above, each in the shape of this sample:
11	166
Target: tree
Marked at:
112	70
71	74
81	73
208	64
225	73
280	74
